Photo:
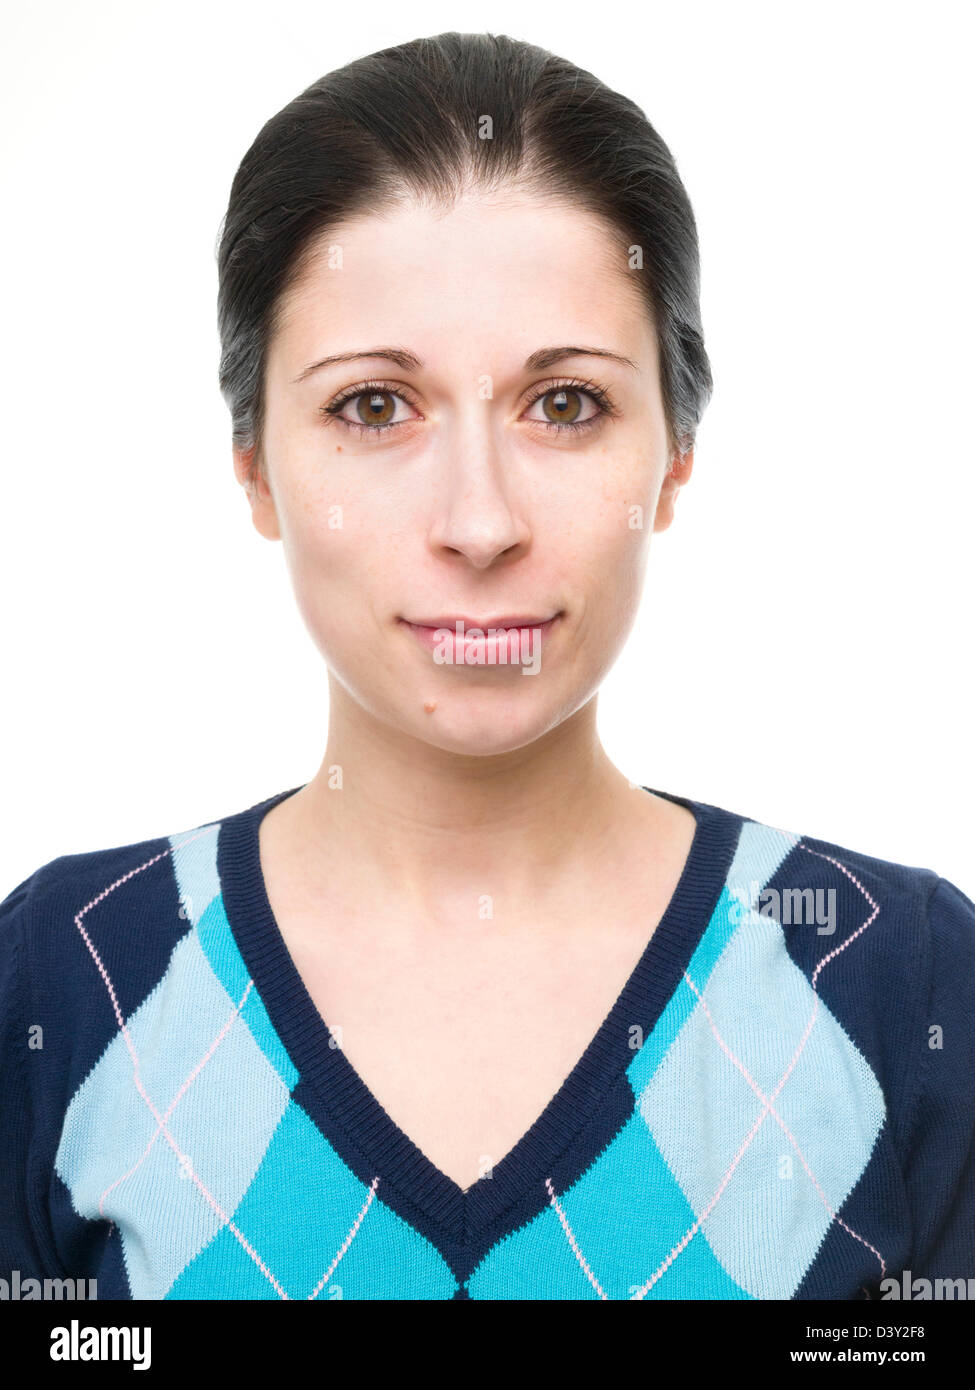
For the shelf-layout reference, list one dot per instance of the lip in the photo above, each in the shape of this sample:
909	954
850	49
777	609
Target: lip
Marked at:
452	619
516	637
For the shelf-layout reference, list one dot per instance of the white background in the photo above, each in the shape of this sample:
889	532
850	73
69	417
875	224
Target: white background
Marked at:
804	649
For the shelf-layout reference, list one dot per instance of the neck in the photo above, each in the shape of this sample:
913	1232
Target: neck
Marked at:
394	819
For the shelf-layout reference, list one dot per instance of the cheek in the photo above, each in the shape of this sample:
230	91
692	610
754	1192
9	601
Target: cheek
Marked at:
326	555
342	551
612	538
614	519
630	478
617	565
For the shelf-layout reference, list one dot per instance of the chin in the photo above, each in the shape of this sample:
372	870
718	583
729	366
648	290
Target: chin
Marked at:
485	725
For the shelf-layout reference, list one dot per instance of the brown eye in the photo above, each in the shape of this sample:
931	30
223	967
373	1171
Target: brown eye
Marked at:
376	407
562	406
371	408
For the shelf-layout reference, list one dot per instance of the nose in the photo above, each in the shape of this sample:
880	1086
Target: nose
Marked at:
477	511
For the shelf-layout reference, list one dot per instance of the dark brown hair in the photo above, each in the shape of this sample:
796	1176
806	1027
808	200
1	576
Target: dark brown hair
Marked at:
410	120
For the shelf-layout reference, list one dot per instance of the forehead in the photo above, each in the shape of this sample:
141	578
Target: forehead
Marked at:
487	281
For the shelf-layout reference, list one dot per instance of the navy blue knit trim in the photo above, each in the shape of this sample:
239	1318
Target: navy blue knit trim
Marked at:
349	1102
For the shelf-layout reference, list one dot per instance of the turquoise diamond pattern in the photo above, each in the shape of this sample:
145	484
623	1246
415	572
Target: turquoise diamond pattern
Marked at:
706	1174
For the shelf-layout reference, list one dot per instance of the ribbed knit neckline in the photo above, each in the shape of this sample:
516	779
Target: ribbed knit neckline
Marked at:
392	1155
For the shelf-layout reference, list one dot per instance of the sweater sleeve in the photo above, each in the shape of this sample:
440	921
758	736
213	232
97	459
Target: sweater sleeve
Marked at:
19	1248
940	1168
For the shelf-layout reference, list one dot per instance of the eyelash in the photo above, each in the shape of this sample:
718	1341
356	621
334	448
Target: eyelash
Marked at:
599	395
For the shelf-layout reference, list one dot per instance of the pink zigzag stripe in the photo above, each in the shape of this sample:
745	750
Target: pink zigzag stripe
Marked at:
162	1127
348	1240
572	1241
791	1137
682	1244
178	1096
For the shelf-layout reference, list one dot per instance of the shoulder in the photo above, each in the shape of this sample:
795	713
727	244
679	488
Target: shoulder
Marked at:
73	890
833	894
104	921
799	858
887	948
86	939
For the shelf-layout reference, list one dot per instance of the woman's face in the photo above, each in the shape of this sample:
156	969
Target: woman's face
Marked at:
471	477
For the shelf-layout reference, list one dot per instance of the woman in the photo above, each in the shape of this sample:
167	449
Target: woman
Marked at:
468	1014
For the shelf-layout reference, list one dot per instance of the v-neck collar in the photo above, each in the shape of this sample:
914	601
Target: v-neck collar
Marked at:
345	1098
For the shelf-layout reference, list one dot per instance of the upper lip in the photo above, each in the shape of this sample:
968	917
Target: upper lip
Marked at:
505	620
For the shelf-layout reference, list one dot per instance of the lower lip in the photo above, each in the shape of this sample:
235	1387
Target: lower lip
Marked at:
516	643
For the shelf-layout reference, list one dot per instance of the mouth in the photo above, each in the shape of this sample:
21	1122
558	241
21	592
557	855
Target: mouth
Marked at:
452	619
453	635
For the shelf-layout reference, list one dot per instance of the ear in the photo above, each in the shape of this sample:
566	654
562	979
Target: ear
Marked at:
250	475
676	476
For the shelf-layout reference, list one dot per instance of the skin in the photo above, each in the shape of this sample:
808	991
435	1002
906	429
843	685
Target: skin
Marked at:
465	780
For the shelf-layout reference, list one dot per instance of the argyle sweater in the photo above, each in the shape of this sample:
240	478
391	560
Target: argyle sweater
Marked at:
780	1104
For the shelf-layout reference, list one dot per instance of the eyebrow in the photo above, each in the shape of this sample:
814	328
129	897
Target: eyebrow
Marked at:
538	361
